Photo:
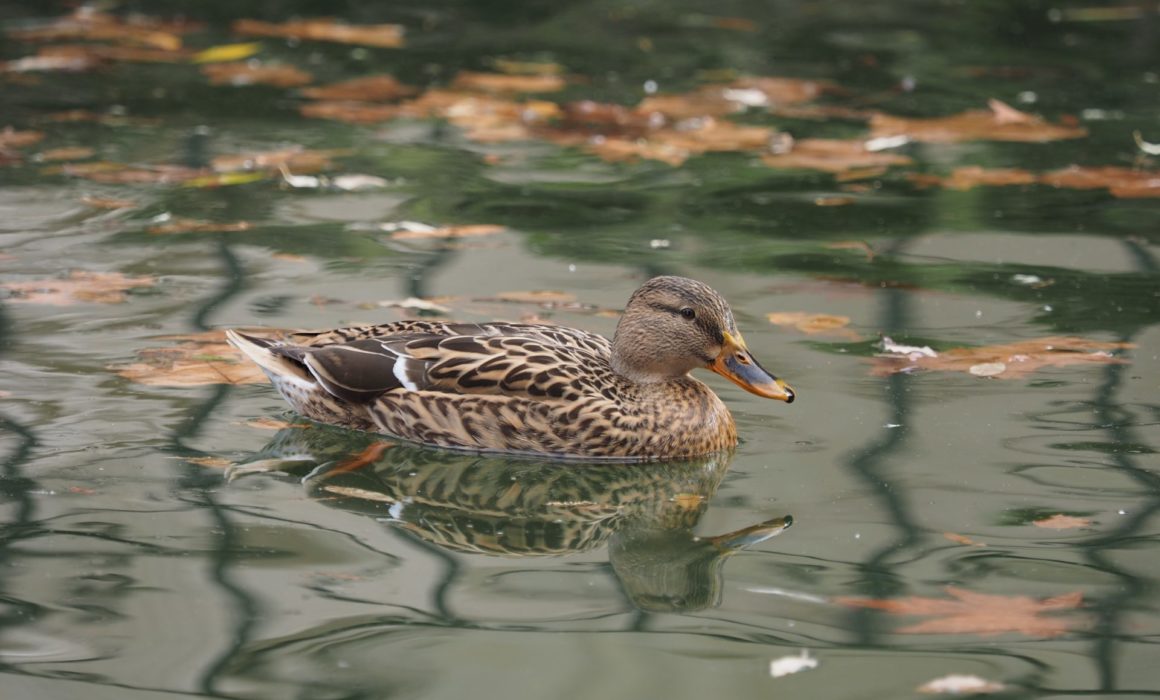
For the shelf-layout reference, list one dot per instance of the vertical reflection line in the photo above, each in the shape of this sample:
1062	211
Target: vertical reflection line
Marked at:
878	578
14	486
227	544
1132	589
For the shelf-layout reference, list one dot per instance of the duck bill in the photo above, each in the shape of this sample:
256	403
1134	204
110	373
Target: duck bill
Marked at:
736	364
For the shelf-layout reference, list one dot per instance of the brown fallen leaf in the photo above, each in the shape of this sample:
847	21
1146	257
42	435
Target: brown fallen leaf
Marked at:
368	88
833	201
1125	183
377	35
267	423
349	112
983	614
1006	114
89	25
1018	359
814	323
293	158
833	156
196	360
508	83
66	153
211	462
465	231
963	539
995	124
672	145
251	73
92	55
48	63
182	225
972	176
78	287
120	173
11	138
718	100
108	203
1059	521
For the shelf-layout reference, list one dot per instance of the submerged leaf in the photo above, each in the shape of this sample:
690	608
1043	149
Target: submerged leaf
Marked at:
983	614
377	35
1000	123
78	287
180	225
248	73
814	323
1017	359
502	82
833	156
199	359
1059	521
368	88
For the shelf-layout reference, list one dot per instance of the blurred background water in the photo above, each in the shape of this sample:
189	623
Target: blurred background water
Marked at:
152	547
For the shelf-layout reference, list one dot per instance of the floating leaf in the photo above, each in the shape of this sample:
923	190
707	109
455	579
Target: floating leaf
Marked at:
349	112
227	52
267	423
78	287
199	359
537	296
507	83
1018	359
963	539
514	67
1120	182
409	231
211	462
66	153
996	124
376	35
959	684
11	138
249	73
88	25
971	176
983	614
368	88
853	245
1059	521
832	156
181	225
49	62
814	323
108	203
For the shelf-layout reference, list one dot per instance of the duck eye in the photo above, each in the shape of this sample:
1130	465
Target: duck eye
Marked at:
688	313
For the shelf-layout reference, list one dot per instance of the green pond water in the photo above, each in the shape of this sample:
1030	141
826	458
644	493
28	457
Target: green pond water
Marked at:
173	541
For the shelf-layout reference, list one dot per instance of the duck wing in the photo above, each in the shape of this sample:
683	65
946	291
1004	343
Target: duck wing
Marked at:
552	335
527	366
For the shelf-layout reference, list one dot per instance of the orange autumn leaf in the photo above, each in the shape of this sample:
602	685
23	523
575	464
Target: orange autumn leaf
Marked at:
971	176
513	67
89	25
813	323
196	360
718	100
833	156
66	153
267	423
294	158
368	88
1059	521
1125	183
983	614
182	225
211	462
108	203
995	124
963	539
1010	361
85	56
78	287
349	112
377	35
250	73
465	231
507	83
11	138
537	296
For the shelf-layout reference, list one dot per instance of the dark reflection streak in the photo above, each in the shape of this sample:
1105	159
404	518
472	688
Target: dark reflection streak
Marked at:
31	531
228	543
235	283
879	580
441	590
1132	591
103	683
15	487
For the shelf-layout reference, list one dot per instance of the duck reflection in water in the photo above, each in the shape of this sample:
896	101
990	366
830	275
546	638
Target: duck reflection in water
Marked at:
523	507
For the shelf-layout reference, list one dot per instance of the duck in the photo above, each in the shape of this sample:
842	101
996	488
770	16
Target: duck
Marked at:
534	389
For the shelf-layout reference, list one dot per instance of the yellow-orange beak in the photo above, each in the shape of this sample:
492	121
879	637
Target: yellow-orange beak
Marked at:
738	366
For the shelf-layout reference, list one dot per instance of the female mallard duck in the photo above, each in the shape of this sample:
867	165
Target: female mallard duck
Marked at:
523	388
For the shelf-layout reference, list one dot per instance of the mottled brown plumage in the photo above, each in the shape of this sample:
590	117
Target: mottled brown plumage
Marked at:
525	388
